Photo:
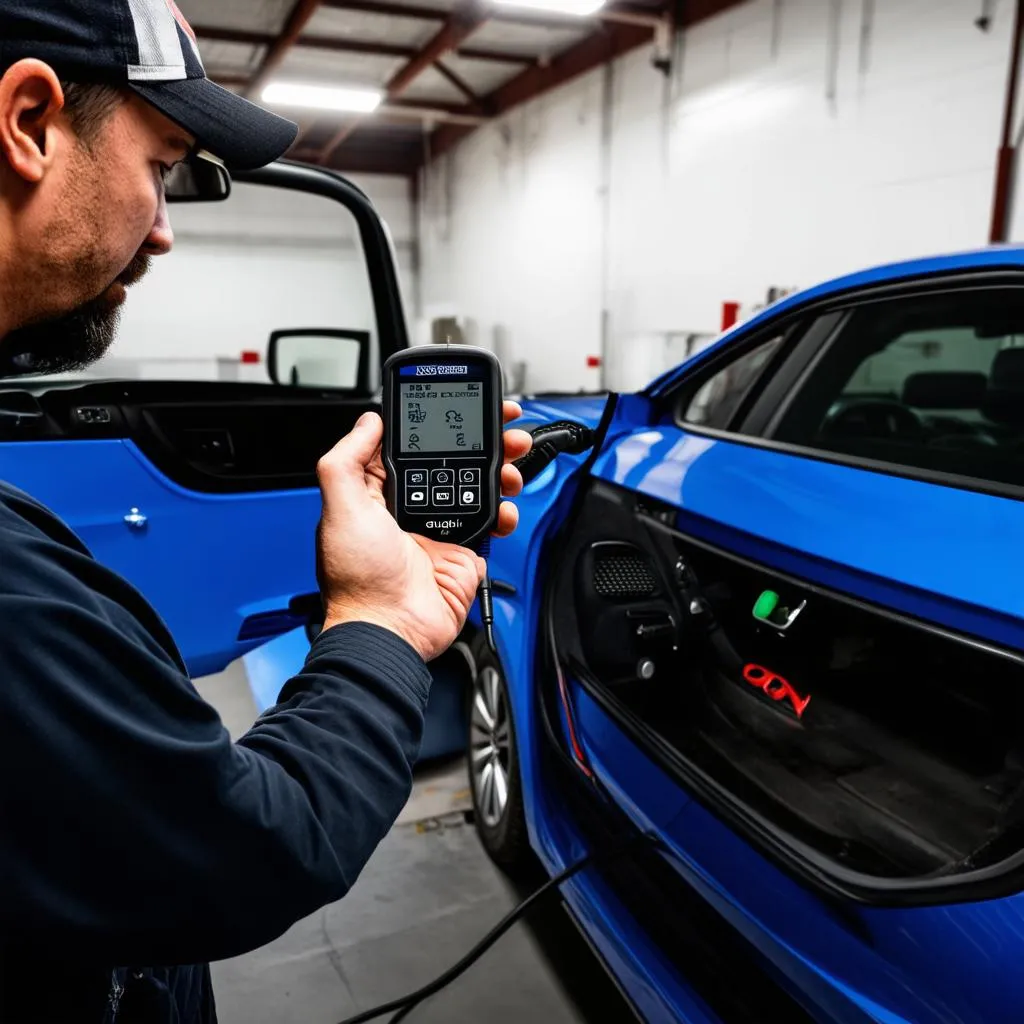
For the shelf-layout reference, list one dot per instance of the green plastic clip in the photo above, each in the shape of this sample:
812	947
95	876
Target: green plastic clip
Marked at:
765	605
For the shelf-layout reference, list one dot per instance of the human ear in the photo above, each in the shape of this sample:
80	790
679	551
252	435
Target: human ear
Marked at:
31	99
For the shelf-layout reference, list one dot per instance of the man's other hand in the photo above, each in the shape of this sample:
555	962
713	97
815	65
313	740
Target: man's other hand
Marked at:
371	571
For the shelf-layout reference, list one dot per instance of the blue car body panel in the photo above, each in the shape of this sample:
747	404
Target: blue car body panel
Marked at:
206	562
860	532
932	552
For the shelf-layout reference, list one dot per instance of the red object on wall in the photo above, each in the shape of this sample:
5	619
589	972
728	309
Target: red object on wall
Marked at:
730	314
249	358
593	362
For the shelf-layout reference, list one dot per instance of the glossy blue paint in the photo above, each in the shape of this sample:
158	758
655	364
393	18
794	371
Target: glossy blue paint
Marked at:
996	257
205	562
917	547
933	552
864	965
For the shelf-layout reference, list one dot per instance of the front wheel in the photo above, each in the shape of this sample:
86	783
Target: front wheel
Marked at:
494	767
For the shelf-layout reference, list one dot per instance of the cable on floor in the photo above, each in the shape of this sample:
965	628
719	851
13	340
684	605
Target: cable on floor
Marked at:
406	1004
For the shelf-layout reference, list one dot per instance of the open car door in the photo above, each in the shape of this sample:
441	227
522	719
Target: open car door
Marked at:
779	636
202	493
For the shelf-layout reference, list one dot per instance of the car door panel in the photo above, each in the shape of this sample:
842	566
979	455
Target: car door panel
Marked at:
207	563
783	518
922	965
831	523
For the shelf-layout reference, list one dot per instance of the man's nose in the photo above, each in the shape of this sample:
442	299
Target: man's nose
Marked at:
160	239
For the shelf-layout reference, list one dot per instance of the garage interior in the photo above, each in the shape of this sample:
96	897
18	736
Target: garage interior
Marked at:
594	192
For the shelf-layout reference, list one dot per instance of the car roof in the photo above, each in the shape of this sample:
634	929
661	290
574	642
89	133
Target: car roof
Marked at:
992	257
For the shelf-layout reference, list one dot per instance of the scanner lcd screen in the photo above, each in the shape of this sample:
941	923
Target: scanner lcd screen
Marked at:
442	418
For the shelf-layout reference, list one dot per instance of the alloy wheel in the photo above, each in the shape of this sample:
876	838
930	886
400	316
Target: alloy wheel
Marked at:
489	746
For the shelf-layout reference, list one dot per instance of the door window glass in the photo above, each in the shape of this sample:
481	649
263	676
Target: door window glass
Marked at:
935	382
715	404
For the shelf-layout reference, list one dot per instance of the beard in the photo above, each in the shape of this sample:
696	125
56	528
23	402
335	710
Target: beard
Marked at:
71	341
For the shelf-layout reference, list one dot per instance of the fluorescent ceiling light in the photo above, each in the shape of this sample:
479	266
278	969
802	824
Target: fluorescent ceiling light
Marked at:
319	97
580	8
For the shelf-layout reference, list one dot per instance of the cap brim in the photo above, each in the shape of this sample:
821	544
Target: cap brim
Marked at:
236	131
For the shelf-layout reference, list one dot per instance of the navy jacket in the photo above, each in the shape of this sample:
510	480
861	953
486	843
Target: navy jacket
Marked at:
137	842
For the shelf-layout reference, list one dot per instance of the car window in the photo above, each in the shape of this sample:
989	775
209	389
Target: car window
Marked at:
934	382
717	400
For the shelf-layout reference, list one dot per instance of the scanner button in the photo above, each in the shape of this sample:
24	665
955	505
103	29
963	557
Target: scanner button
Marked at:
444	496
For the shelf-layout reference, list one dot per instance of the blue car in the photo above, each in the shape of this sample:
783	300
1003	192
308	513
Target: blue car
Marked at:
758	644
760	654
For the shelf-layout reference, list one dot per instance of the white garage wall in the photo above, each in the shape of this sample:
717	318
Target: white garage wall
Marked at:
264	259
753	166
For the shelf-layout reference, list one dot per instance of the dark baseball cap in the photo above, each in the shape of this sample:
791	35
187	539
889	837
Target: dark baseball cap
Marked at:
146	46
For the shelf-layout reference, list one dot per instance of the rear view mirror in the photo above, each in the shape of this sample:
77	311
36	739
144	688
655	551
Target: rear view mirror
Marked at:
198	180
321	358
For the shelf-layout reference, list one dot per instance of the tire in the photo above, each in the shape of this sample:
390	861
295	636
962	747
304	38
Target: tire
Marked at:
493	762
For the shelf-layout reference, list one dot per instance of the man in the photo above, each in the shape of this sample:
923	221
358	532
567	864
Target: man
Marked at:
135	838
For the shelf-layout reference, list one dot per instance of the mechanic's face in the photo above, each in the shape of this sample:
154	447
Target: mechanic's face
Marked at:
87	218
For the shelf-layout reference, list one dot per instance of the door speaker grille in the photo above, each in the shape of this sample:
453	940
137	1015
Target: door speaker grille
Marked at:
623	575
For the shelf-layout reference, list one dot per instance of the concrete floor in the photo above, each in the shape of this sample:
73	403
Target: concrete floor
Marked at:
426	897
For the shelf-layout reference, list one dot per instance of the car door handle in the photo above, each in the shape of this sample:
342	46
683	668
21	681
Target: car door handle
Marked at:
135	520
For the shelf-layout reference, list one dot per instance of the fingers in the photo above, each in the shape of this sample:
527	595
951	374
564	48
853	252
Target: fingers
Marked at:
348	460
508	519
512	411
517	444
511	482
465	569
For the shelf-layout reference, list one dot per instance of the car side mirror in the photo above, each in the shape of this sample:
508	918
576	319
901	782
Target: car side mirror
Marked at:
321	357
198	180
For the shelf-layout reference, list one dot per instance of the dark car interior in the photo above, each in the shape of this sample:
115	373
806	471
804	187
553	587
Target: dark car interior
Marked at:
888	748
952	400
214	437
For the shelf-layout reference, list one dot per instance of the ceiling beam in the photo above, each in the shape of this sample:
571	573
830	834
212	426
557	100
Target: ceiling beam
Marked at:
432	107
233	35
463	21
609	42
338	45
369	46
229	78
362	162
460	25
297	21
497	56
459	84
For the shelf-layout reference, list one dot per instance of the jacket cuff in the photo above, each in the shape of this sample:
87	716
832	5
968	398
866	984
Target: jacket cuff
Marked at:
372	649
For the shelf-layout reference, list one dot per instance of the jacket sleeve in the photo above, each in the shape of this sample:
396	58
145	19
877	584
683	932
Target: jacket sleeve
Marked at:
131	828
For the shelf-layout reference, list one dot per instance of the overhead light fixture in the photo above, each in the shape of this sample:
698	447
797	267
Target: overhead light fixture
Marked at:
579	8
321	97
